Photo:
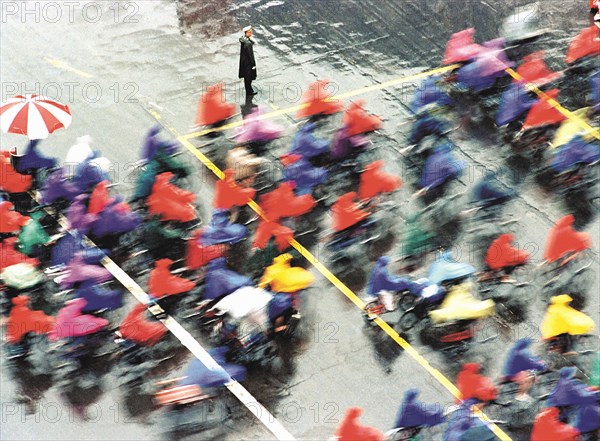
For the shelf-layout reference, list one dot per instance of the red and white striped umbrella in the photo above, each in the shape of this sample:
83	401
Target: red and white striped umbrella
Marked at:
33	115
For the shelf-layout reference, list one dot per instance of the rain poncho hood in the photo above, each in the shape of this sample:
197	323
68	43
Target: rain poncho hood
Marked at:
304	175
426	124
282	277
11	220
463	425
70	322
22	276
489	191
374	181
228	194
316	101
548	427
571	128
31	160
32	236
350	429
542	113
461	47
429	93
198	373
445	268
78	271
561	318
343	145
162	283
440	167
212	107
472	384
563	239
515	101
460	304
306	144
197	255
220	280
169	201
69	245
271	229
10	256
502	254
586	43
283	202
256	129
56	187
346	212
534	70
99	198
136	328
98	298
413	413
23	320
116	218
221	231
381	280
520	359
574	153
78	216
359	121
572	392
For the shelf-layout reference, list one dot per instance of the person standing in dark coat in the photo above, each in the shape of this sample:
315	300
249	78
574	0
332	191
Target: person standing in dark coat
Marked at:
247	63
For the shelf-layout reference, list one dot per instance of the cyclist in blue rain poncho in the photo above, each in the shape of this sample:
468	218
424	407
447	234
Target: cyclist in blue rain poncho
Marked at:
515	102
413	413
220	281
222	231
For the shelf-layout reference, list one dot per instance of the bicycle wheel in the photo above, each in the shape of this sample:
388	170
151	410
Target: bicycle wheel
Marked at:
582	280
406	301
586	344
408	321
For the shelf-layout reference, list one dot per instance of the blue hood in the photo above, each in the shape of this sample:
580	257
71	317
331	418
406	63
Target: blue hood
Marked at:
440	167
445	268
306	144
220	280
221	230
576	151
515	102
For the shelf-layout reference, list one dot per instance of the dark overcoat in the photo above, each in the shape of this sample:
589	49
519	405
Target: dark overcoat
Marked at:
247	58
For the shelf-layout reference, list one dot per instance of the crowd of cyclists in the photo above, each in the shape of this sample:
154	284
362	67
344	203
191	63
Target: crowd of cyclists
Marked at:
239	281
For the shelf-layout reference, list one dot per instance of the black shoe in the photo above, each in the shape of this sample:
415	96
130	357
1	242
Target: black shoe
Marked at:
254	92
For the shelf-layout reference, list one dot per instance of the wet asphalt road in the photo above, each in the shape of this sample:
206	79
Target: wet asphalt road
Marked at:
151	65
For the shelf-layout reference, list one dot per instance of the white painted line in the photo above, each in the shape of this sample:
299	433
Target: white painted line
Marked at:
187	340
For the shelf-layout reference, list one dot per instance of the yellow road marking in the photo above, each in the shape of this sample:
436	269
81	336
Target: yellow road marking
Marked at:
567	113
441	378
64	66
349	94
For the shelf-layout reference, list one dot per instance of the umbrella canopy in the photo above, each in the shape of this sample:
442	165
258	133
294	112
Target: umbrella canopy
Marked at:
21	276
33	115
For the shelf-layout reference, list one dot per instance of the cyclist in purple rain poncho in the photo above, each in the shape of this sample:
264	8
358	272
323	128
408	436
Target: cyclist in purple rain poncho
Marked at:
220	281
306	144
515	101
440	167
575	152
304	175
56	187
413	413
31	160
221	231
